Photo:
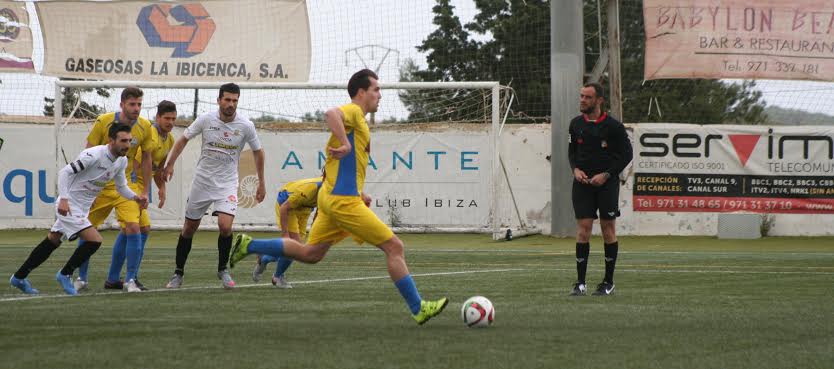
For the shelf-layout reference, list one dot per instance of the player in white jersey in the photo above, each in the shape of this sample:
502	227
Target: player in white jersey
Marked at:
78	185
224	132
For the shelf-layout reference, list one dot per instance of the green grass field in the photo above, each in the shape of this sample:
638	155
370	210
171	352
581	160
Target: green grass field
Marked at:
681	302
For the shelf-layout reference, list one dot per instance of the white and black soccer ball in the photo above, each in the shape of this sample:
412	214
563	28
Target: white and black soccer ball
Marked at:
477	311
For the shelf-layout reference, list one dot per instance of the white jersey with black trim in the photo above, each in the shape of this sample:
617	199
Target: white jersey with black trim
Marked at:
220	152
82	180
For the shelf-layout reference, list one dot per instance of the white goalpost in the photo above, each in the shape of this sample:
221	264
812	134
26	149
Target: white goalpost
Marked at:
432	121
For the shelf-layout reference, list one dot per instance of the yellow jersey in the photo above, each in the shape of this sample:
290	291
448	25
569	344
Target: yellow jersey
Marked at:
300	194
346	176
141	132
161	148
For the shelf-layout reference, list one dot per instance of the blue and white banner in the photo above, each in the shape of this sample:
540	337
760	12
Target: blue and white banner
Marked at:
415	178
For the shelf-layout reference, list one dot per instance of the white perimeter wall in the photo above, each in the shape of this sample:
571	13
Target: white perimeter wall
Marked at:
463	191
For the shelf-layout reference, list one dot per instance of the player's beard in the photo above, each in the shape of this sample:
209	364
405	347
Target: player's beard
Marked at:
229	112
115	151
587	110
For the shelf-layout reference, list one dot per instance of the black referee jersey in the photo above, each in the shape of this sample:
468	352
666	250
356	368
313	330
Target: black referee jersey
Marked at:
598	146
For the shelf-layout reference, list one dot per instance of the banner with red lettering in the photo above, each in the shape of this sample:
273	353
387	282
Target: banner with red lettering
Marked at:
726	168
15	38
222	40
750	39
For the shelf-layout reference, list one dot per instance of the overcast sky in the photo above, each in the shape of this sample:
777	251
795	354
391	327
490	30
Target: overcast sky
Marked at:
396	27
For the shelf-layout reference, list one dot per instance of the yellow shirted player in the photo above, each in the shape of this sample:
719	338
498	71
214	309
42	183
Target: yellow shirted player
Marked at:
163	141
296	201
341	210
126	211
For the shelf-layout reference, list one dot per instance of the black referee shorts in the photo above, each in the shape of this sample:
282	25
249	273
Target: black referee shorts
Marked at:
587	199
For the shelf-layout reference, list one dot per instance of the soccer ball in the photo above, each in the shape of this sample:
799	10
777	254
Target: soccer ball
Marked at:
477	311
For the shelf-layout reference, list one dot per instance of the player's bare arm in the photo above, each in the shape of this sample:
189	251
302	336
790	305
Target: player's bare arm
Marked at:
335	121
147	169
260	157
126	192
168	172
161	186
284	211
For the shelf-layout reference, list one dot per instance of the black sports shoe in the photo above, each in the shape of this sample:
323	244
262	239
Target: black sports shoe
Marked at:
578	289
113	285
604	289
140	285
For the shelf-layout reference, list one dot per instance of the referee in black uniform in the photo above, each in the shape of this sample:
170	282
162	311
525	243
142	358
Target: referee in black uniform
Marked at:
599	150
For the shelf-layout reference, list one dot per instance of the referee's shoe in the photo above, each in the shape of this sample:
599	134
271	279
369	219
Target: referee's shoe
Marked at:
578	289
604	289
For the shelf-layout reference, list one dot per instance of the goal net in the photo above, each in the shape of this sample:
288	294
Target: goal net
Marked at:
435	159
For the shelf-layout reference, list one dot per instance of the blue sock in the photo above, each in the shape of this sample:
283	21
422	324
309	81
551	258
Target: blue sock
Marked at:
266	259
82	269
409	292
273	247
134	244
144	237
283	264
118	258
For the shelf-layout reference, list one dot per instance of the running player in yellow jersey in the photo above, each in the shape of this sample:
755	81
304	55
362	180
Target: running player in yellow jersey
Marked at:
127	211
163	140
341	211
296	200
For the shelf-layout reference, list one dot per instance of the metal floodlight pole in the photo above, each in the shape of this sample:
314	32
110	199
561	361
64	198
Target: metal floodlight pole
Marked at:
614	74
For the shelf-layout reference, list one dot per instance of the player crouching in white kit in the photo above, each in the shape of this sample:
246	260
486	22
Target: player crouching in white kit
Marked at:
224	132
78	185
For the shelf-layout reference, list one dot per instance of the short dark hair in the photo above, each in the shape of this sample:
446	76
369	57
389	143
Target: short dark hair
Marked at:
131	93
360	79
230	88
597	89
116	128
165	106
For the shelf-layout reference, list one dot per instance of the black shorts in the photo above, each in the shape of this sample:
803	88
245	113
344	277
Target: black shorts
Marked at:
588	199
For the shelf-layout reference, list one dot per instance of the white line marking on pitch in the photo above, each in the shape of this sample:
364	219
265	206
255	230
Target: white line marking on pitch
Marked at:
680	271
21	298
708	271
570	252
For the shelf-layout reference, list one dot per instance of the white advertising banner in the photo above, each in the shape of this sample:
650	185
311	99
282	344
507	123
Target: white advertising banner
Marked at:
415	179
228	40
15	38
726	168
750	39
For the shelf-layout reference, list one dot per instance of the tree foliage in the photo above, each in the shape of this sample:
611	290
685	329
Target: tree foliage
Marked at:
509	41
317	116
71	97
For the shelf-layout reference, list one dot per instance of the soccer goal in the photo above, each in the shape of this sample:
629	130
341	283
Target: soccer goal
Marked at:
435	163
